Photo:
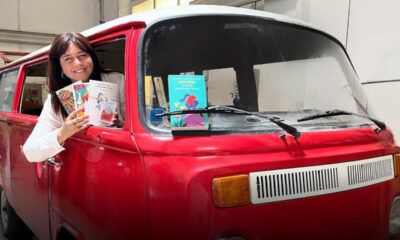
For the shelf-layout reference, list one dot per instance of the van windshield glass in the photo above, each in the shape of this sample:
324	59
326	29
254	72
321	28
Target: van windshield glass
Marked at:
257	65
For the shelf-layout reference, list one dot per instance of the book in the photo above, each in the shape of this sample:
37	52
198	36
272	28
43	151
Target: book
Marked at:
81	96
66	97
158	83
148	90
96	99
187	92
102	102
108	111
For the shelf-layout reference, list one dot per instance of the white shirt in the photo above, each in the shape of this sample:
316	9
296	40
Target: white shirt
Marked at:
43	143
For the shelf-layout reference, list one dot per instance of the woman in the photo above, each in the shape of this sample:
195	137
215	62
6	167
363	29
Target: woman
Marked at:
71	59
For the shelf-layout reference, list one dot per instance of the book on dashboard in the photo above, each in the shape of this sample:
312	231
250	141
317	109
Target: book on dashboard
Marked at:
187	92
148	91
97	99
162	101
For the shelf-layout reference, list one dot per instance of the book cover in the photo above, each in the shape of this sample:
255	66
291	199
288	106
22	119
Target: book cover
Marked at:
148	91
158	83
108	111
102	102
81	96
66	97
187	92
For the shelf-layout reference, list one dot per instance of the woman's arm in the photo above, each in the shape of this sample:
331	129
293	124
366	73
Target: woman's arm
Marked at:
43	143
50	133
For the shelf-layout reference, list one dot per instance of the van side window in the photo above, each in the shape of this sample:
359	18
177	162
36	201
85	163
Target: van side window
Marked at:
7	88
111	54
34	89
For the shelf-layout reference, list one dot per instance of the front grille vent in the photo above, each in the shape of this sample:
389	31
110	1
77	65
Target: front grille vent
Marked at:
292	183
301	182
366	172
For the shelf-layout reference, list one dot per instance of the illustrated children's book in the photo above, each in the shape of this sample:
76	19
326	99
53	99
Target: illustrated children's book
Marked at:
97	99
66	96
187	92
81	96
102	102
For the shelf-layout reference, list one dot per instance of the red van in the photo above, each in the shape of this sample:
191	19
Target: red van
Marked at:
291	151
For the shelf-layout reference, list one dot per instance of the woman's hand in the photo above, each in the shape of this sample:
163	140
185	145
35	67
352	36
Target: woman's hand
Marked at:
72	125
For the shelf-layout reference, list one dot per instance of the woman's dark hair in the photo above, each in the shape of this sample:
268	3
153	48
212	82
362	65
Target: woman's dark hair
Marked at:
58	48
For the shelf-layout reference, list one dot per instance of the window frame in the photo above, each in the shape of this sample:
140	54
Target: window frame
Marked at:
23	77
109	37
15	92
145	120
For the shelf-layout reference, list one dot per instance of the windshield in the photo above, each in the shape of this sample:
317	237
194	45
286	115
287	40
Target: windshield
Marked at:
253	64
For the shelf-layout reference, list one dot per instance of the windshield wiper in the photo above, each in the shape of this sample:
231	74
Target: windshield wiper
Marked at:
379	124
230	110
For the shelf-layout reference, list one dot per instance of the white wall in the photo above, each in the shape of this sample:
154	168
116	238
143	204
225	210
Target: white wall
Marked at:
374	39
370	31
385	100
8	16
330	16
48	16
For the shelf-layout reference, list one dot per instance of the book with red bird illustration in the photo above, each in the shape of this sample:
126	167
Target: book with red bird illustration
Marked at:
187	92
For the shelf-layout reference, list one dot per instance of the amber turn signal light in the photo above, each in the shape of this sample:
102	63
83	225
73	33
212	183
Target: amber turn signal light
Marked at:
231	191
396	164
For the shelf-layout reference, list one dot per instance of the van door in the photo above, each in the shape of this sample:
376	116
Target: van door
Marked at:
8	80
97	186
29	181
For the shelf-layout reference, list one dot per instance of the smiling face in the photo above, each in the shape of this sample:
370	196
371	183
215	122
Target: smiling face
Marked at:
76	64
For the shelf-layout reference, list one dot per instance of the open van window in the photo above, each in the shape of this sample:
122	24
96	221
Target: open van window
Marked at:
111	54
111	59
257	65
34	90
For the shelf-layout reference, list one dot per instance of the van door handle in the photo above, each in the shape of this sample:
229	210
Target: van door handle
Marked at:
53	162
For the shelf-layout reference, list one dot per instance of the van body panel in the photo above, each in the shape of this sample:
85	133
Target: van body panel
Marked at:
96	175
132	94
31	180
5	136
180	170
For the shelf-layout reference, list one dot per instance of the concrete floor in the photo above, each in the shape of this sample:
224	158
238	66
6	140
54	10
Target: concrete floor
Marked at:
2	237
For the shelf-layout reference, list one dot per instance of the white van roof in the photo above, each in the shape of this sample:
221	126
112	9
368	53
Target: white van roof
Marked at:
156	15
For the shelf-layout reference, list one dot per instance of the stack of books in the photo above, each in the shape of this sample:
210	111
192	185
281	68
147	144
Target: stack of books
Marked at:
96	99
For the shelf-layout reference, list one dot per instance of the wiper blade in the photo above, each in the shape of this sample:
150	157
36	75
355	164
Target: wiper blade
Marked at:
379	124
230	110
